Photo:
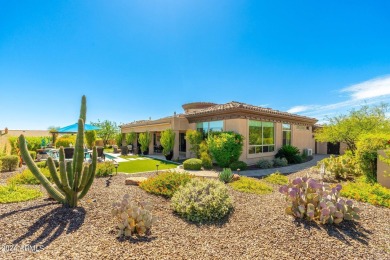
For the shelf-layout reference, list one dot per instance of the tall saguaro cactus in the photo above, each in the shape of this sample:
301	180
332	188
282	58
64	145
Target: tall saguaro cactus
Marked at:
75	177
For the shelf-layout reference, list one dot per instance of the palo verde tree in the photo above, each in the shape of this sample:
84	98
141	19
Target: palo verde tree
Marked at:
75	177
348	128
107	131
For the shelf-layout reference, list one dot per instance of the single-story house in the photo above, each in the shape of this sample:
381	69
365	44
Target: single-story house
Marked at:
265	130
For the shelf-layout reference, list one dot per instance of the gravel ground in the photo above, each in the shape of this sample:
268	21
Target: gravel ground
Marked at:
257	229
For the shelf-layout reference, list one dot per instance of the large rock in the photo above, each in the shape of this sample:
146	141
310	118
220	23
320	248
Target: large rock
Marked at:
236	177
135	180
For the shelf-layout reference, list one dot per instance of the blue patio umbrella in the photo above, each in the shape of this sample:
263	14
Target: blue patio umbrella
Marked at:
73	128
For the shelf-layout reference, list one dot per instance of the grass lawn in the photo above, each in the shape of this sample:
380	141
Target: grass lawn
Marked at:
144	166
128	156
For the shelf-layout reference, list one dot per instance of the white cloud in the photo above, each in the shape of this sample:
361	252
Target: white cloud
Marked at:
368	92
377	87
298	109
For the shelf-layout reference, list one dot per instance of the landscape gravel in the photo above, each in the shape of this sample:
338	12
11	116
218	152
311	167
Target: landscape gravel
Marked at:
258	228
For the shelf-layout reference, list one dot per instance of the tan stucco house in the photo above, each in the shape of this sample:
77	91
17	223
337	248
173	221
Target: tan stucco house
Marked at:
265	130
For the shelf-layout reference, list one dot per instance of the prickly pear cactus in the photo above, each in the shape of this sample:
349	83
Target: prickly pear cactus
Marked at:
75	177
341	167
307	198
134	218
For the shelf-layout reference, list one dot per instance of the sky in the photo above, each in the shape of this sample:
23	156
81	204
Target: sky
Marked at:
139	59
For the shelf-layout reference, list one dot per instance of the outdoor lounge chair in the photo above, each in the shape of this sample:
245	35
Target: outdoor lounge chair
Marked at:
100	153
69	151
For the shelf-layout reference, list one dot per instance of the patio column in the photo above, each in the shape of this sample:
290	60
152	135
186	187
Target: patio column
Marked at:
176	153
151	144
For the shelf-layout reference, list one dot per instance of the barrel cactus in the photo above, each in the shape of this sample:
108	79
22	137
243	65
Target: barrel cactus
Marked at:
307	198
75	177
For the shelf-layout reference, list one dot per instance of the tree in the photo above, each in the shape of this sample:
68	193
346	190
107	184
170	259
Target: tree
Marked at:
131	137
144	140
194	137
90	137
167	141
348	128
107	131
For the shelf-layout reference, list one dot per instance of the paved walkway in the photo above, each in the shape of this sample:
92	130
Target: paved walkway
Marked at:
265	172
115	157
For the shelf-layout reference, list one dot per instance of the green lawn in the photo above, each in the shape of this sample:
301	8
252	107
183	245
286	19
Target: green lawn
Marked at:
128	156
144	166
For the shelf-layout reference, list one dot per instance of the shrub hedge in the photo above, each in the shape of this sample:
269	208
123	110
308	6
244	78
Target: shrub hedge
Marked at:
238	165
192	164
9	163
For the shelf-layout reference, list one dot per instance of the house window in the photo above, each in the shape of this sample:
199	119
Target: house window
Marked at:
207	127
286	134
261	137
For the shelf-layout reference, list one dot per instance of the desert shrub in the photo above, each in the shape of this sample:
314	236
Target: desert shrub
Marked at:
195	138
33	154
372	193
238	165
33	142
226	175
289	152
308	198
133	217
66	140
26	177
264	164
12	193
276	178
280	162
104	169
225	147
41	164
166	183
202	200
205	156
341	167
296	159
367	148
90	138
192	164
9	163
251	185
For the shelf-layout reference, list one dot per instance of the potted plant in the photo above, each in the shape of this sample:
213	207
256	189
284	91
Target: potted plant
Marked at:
167	141
144	140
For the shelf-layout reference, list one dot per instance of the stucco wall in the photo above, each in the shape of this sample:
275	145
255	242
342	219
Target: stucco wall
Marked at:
383	171
302	137
322	148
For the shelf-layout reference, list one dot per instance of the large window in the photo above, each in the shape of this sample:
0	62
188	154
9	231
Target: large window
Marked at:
261	137
207	127
286	134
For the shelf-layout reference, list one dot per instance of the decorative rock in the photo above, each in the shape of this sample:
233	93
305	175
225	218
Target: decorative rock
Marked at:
135	180
236	177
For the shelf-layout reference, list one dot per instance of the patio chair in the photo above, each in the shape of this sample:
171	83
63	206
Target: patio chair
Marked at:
116	150
124	150
130	148
69	151
100	152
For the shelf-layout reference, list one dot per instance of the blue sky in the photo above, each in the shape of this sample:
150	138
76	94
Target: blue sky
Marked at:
141	59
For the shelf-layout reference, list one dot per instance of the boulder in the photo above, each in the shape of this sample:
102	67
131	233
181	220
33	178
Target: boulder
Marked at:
135	180
236	177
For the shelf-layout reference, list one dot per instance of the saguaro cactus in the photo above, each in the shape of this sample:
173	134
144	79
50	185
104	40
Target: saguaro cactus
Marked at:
75	177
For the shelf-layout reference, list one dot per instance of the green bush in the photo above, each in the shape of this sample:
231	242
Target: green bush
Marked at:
225	147
362	190
26	177
226	175
9	163
90	137
264	164
33	154
166	183
276	178
341	167
251	185
66	140
144	141
296	159
12	193
367	153
205	156
104	169
195	138
33	142
167	141
280	162
41	164
202	200
289	152
238	165
192	164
